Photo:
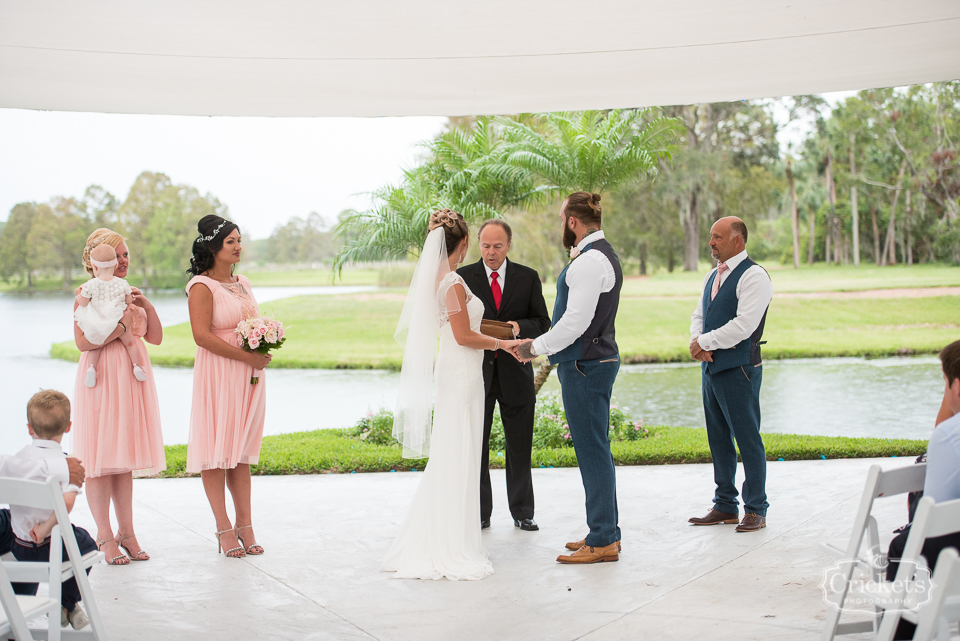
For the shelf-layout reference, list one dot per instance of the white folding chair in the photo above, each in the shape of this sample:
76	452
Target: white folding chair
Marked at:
934	619
931	520
47	496
17	609
872	557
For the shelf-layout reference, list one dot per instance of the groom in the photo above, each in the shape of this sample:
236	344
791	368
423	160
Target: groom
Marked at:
581	344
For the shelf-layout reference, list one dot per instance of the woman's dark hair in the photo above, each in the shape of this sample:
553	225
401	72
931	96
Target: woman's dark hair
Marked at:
454	227
213	230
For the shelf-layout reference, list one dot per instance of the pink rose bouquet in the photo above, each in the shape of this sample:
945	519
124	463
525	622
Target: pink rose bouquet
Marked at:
259	334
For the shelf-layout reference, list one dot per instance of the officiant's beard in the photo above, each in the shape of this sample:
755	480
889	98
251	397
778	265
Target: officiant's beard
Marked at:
569	238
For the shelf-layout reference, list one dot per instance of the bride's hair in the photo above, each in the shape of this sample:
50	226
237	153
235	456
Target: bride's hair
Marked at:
454	227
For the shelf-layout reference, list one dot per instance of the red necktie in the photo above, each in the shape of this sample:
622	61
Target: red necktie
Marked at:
495	287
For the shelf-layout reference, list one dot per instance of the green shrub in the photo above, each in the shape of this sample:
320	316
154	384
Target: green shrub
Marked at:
550	428
375	428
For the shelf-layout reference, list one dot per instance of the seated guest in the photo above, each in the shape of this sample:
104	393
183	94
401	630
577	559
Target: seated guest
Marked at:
48	419
66	471
942	482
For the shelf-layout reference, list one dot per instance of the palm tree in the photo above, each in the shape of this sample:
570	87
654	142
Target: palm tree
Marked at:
587	151
590	150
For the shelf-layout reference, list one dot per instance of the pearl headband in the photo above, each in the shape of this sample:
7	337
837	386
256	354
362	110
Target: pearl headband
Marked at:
214	234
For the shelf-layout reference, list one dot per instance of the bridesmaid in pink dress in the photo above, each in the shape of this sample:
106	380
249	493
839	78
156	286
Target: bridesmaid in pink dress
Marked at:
226	420
116	423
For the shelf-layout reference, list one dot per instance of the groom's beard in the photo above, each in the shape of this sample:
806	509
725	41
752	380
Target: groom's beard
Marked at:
569	238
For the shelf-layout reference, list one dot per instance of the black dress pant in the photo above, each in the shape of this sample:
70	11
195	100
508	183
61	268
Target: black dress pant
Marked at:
931	551
69	591
518	433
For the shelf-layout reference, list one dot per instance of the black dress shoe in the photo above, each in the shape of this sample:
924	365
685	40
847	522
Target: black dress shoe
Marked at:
484	524
526	524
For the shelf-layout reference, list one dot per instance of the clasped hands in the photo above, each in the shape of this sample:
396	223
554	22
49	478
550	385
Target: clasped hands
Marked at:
700	354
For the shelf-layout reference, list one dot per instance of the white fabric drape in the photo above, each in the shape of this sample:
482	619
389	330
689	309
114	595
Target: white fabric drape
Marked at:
430	57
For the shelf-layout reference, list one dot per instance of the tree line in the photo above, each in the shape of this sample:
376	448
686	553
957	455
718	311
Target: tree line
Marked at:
159	220
876	179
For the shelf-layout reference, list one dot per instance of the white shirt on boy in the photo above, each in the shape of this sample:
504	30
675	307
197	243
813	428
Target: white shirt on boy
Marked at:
22	519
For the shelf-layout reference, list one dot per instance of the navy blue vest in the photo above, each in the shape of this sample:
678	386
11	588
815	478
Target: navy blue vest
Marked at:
720	311
599	341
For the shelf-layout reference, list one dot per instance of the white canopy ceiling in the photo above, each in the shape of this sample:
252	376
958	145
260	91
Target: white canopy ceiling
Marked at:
458	57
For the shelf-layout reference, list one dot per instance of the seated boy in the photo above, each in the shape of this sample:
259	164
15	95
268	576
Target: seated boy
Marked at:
48	419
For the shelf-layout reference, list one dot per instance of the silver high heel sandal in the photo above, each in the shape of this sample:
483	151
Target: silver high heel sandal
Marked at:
253	550
233	553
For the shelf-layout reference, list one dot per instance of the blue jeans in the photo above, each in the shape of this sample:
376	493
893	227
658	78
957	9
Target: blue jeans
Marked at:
731	405
70	591
586	388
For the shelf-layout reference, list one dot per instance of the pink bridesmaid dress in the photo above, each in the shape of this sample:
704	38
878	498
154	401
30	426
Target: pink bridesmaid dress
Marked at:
226	420
116	424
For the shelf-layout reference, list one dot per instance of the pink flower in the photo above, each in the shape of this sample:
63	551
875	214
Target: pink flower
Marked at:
254	343
574	252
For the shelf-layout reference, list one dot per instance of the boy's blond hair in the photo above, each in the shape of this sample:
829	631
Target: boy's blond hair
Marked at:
48	413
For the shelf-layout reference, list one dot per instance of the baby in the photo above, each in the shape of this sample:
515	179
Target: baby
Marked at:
48	419
101	303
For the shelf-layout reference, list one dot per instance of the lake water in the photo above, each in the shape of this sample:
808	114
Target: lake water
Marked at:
891	397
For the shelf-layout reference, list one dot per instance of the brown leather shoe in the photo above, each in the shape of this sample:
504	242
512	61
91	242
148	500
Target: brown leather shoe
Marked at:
714	517
590	554
752	523
576	545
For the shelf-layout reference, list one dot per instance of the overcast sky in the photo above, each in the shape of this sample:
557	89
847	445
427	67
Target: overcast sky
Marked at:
265	169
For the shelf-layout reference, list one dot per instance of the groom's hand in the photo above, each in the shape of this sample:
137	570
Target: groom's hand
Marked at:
524	351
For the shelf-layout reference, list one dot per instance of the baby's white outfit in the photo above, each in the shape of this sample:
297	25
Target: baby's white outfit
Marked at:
107	304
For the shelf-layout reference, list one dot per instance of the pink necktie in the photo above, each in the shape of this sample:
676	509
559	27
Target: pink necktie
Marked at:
495	288
721	267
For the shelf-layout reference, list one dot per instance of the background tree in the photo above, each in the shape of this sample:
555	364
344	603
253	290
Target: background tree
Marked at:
14	245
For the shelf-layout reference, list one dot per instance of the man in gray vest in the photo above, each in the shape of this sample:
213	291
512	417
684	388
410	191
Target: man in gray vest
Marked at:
582	344
725	331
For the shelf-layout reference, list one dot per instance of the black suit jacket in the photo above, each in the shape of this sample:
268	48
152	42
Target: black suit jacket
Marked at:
522	302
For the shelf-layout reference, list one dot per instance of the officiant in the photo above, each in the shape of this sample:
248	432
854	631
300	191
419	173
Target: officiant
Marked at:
511	294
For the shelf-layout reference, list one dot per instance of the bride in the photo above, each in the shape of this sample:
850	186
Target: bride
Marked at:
440	536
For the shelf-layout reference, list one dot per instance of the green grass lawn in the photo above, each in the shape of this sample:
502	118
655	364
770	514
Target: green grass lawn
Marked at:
356	331
819	278
332	451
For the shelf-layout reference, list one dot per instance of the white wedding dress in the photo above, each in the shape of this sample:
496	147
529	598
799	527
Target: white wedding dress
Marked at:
440	536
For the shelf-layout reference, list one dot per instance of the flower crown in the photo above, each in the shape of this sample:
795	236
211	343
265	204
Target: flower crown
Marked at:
99	240
214	234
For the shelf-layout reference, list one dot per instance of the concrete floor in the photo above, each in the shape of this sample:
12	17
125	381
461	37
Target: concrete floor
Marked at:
326	535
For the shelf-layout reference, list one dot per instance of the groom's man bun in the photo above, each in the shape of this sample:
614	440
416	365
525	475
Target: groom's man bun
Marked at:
454	227
585	207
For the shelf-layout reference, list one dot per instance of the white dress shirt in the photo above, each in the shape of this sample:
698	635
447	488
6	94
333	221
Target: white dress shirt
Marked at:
13	467
754	293
942	481
589	275
22	519
501	273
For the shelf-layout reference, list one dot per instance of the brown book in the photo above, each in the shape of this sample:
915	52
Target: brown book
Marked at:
496	329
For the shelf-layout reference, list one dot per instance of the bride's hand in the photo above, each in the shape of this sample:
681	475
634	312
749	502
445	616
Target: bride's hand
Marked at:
508	346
